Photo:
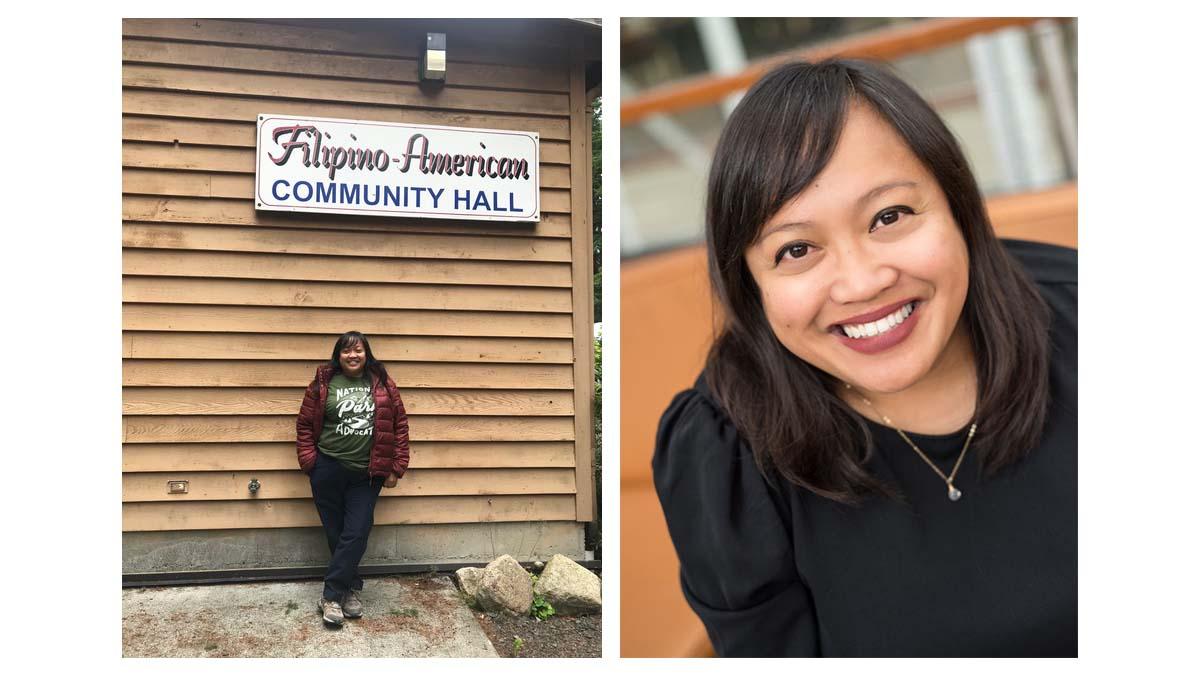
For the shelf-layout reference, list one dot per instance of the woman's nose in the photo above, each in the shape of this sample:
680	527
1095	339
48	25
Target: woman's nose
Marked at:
861	276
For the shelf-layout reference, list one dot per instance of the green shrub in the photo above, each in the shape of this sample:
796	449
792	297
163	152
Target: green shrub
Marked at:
541	609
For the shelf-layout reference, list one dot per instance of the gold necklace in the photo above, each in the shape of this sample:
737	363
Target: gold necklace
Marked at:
954	493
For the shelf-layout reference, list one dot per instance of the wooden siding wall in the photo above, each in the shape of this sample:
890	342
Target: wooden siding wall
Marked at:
227	311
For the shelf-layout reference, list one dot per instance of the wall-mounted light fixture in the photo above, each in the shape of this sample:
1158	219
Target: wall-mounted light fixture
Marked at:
433	58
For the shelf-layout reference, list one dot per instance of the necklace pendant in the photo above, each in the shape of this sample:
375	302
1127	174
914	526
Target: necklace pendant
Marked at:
954	493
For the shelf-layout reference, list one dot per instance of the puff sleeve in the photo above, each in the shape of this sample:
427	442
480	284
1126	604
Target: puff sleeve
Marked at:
306	435
732	534
400	419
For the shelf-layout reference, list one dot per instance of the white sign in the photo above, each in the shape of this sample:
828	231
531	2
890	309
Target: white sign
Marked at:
324	165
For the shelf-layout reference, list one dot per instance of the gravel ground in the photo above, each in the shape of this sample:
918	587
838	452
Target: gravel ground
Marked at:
556	637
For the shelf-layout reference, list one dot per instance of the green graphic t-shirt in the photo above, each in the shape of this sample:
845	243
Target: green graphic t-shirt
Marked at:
349	424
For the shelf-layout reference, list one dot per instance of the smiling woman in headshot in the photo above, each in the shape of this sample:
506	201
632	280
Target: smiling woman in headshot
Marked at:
880	456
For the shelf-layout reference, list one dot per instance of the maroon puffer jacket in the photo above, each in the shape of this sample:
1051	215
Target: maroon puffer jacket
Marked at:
389	449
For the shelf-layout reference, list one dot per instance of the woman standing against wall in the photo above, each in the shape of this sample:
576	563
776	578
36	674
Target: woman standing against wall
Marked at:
351	441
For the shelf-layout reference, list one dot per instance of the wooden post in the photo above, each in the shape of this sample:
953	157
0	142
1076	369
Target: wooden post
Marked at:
581	290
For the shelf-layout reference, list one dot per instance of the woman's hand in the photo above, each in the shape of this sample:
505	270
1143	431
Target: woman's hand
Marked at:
390	481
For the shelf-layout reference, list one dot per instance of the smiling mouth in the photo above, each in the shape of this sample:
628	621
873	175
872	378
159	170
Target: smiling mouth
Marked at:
858	331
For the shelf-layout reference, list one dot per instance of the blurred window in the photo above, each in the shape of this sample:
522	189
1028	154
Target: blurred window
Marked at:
994	92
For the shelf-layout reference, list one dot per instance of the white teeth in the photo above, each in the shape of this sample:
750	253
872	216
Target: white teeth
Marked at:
881	326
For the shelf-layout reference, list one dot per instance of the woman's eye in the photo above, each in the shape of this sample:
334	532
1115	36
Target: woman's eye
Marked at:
889	216
793	251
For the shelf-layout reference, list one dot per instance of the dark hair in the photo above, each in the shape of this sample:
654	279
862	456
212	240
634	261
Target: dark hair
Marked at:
373	366
780	137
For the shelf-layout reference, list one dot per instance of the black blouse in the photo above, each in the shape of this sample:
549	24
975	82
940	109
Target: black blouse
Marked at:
779	571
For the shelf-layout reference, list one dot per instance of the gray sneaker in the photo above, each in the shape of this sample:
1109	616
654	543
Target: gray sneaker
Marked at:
331	611
352	605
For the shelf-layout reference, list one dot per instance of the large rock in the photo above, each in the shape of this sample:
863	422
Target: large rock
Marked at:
505	585
468	580
569	587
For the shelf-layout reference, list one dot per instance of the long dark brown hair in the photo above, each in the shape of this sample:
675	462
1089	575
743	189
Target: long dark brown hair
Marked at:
780	137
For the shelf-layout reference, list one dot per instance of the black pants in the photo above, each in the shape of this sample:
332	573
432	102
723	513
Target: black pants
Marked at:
346	503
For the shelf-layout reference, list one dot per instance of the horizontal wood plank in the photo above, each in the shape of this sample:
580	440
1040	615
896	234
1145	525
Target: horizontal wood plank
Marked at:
244	135
354	244
247	109
480	41
138	457
187	158
255	428
346	91
333	322
180	184
234	485
240	265
165	373
139	345
258	33
153	210
190	132
151	516
285	401
393	69
189	291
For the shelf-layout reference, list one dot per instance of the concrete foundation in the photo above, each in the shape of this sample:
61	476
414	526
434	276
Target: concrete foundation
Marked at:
199	550
403	616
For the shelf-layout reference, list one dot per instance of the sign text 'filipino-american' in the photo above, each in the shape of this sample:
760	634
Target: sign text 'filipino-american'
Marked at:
381	169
